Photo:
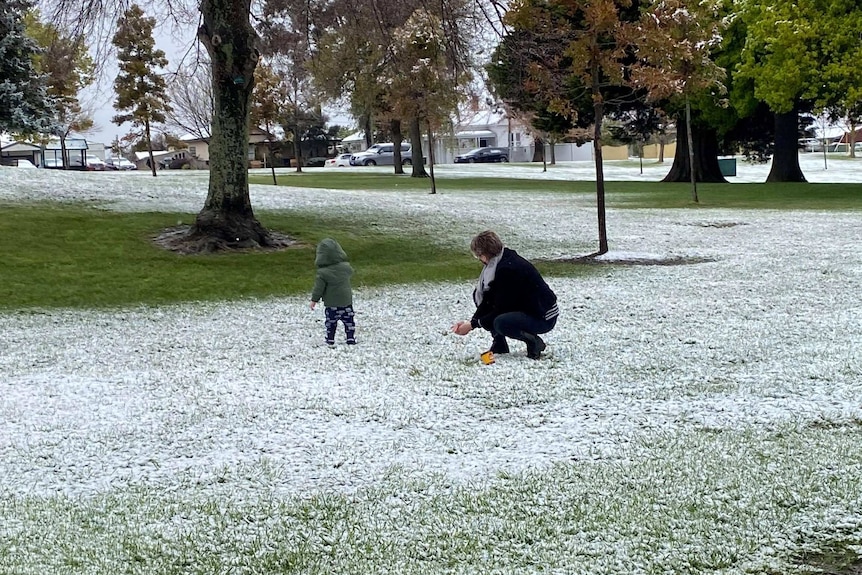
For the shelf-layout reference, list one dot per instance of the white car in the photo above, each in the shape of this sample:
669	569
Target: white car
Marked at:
120	164
339	161
52	163
95	163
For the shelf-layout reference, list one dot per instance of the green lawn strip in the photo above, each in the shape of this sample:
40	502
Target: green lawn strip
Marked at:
773	196
360	180
74	256
778	196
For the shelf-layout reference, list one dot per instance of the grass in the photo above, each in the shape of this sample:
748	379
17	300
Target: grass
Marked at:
693	503
784	196
75	256
658	195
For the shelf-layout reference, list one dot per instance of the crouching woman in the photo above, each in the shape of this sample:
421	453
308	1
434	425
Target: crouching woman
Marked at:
512	299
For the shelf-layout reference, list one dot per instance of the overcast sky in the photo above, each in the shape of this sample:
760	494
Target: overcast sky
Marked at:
177	48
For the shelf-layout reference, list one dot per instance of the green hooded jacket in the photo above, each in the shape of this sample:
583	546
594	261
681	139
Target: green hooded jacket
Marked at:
332	282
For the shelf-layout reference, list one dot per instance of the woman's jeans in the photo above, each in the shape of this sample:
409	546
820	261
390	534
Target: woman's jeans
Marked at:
520	326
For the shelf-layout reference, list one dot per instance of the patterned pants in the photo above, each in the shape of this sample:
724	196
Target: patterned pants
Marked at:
345	315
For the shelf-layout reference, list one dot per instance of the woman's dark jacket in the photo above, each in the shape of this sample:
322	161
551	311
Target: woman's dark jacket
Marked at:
517	286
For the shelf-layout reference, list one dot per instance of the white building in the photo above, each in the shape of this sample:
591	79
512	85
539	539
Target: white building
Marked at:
258	145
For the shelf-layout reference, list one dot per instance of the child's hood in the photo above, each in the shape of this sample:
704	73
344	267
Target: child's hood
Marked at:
329	253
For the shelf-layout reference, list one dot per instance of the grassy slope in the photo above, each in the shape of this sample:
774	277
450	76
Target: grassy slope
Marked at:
93	258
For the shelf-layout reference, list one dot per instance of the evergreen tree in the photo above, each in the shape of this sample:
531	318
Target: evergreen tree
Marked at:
141	90
24	102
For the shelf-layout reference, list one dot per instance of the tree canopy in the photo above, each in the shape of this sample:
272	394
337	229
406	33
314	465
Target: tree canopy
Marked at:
68	67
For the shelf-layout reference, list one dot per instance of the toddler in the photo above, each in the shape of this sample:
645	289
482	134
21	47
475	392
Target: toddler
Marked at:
332	284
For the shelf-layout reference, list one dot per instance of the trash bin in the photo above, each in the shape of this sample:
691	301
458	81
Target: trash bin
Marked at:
727	166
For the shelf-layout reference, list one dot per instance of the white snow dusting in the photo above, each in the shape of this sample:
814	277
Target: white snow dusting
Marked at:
764	330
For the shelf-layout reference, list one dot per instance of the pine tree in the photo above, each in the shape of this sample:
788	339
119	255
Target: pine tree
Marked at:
141	90
24	102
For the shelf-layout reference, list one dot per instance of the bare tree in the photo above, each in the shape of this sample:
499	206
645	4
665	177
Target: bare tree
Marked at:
191	92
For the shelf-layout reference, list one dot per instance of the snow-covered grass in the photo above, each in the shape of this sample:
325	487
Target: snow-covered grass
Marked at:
698	418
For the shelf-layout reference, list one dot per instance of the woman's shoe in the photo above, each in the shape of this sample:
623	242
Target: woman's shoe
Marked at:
535	345
500	345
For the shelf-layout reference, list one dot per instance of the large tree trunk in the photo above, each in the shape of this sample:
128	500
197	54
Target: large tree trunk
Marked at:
538	150
397	138
705	143
416	148
227	219
785	161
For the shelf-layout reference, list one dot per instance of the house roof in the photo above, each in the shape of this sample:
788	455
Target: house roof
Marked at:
71	144
475	134
20	147
156	154
482	118
355	137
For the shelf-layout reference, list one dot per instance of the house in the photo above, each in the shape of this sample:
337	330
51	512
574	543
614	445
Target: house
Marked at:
163	158
258	146
846	141
355	142
478	128
11	152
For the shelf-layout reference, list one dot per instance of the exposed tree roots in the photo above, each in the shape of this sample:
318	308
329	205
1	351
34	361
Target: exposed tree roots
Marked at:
183	240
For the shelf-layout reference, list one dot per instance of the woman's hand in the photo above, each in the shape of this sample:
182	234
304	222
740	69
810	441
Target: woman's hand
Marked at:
462	328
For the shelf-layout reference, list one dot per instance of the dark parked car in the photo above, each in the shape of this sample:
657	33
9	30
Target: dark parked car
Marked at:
315	162
483	155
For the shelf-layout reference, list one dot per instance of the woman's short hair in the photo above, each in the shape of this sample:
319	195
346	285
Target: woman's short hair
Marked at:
487	243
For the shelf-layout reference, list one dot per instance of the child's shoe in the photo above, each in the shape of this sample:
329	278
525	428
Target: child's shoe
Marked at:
330	342
351	341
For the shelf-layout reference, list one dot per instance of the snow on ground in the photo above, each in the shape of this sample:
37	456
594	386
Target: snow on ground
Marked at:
768	326
765	331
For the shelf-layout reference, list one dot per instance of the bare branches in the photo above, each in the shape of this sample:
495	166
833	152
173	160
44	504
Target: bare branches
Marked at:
190	90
